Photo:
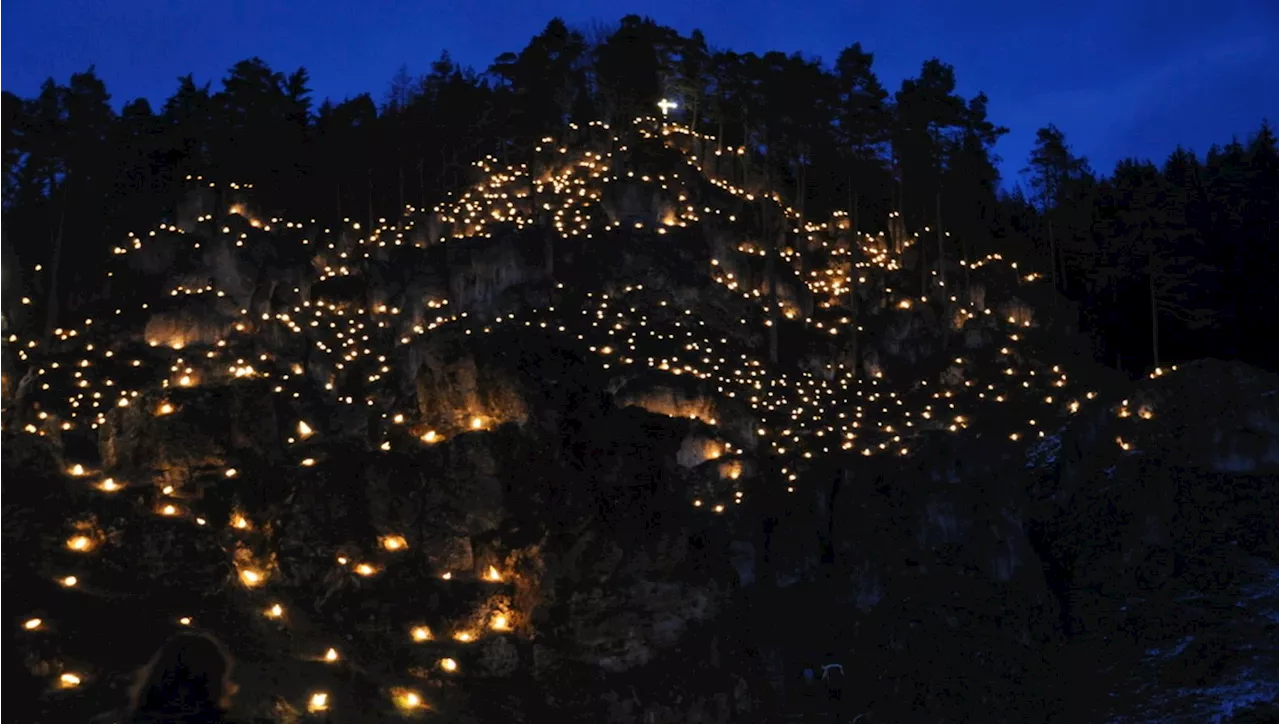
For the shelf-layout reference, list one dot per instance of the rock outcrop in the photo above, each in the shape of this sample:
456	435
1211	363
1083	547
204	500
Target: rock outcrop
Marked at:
548	465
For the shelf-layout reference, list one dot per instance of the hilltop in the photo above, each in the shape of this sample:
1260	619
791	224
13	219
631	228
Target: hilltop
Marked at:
613	435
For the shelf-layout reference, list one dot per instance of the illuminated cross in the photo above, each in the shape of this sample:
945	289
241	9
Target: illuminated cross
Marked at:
667	106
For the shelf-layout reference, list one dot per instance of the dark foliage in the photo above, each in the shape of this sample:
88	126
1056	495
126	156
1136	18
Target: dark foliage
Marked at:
1166	263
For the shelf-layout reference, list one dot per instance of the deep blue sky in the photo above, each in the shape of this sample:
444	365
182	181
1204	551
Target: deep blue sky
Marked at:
1120	78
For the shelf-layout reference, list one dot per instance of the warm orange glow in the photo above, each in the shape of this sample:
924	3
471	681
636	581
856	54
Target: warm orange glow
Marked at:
406	699
476	423
366	569
80	543
499	622
164	409
331	655
394	542
430	436
276	611
251	577
69	581
448	664
68	680
493	574
77	470
464	637
304	430
109	485
318	702
420	633
32	624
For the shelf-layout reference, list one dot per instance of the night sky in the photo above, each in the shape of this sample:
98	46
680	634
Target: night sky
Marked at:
1132	78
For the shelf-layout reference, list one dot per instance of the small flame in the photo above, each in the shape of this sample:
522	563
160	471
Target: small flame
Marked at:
319	702
406	699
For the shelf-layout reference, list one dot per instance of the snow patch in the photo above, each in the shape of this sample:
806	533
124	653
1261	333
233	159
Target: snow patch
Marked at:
1045	452
1173	651
1253	687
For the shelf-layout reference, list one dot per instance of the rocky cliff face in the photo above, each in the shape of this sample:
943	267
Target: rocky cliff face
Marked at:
522	466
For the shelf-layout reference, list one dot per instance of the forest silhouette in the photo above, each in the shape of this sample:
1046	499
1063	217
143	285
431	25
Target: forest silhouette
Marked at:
1165	262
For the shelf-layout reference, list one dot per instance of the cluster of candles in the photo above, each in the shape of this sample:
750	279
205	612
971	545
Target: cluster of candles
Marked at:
796	415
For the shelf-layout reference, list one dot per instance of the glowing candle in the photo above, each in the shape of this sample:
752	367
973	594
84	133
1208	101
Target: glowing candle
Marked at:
319	702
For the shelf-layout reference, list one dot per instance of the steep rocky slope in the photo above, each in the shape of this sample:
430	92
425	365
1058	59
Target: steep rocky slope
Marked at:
576	445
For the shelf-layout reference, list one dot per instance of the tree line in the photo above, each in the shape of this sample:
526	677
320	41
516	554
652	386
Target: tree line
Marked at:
1163	262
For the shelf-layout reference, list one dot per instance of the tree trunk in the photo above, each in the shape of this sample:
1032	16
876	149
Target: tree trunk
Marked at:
51	312
1155	314
1053	259
422	184
771	277
369	174
217	216
799	192
841	481
533	187
337	188
804	189
924	268
902	200
400	171
942	254
853	323
853	220
854	246
849	210
548	254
